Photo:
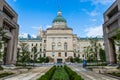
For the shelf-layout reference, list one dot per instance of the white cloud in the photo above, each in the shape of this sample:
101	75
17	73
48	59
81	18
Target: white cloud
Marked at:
23	35
14	0
94	31
35	27
96	2
103	2
93	20
48	26
34	36
84	0
92	13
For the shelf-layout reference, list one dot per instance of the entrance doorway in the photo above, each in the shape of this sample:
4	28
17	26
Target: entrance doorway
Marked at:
59	60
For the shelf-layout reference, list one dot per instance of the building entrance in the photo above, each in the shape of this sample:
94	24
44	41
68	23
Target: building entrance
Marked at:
59	60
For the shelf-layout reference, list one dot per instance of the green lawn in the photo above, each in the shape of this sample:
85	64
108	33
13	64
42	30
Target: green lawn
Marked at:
60	74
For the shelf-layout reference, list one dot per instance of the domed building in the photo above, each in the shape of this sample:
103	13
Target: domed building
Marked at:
60	40
58	43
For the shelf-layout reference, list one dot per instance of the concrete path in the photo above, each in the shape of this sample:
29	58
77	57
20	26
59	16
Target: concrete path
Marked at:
31	75
89	75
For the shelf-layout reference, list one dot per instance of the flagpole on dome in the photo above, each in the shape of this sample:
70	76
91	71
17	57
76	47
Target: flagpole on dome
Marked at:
59	11
58	5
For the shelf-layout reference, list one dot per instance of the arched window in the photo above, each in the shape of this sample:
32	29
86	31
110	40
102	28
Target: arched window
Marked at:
65	46
53	45
59	45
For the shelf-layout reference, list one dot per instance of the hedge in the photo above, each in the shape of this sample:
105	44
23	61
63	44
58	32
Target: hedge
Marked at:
72	75
48	75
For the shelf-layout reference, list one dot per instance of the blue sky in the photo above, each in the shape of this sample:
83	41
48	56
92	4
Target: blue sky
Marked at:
84	16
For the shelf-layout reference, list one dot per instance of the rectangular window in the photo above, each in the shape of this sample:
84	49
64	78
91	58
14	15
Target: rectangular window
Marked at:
40	50
53	47
59	54
65	54
40	44
44	55
74	55
44	49
44	41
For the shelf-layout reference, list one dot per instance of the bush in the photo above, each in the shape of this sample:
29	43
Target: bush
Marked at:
72	75
48	75
5	74
1	68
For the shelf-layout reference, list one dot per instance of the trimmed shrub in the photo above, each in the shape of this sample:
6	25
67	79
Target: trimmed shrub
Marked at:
1	68
5	74
48	75
72	75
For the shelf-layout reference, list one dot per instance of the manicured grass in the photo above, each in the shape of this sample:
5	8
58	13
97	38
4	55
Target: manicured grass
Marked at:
60	74
5	74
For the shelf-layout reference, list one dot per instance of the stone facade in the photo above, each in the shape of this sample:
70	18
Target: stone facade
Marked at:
8	20
59	43
111	23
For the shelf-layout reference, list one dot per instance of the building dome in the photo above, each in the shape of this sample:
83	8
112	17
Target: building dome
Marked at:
59	23
59	18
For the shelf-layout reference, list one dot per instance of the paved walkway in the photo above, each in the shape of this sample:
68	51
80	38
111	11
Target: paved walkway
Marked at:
89	75
31	75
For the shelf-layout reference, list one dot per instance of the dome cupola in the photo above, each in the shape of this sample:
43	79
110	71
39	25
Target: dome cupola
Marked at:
59	21
59	18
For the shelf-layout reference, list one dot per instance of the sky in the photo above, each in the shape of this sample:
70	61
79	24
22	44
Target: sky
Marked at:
84	16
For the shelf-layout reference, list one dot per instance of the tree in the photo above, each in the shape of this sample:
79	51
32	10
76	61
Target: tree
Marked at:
47	59
72	60
24	54
41	59
102	55
94	46
77	59
35	54
117	41
2	34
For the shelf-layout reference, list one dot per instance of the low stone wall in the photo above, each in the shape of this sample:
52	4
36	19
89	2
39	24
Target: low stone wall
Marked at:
104	69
